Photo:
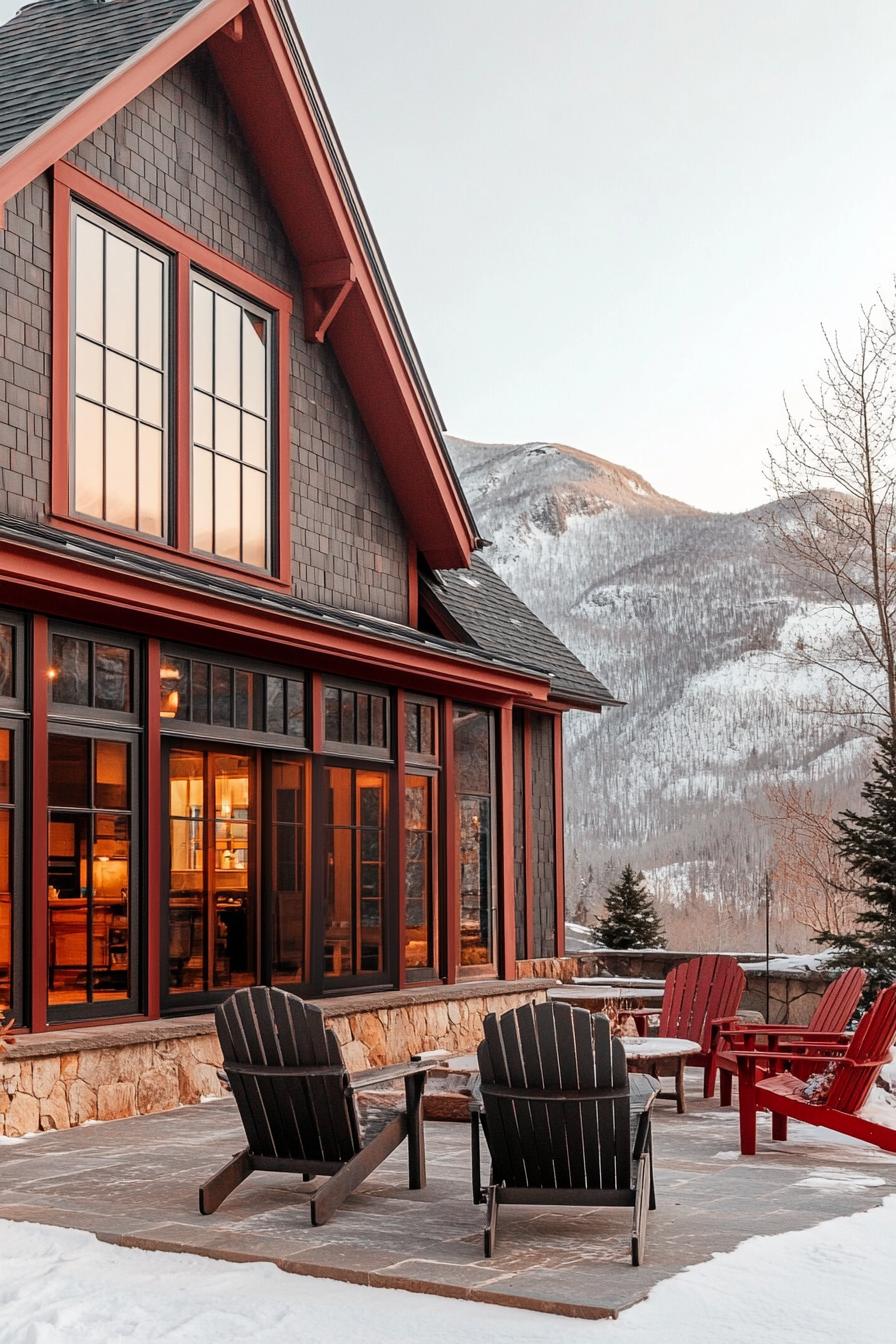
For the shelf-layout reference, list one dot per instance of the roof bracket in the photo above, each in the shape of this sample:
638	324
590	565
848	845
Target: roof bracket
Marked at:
234	29
325	288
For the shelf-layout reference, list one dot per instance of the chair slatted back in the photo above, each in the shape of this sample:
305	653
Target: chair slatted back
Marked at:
868	1050
288	1077
839	1002
541	1135
698	992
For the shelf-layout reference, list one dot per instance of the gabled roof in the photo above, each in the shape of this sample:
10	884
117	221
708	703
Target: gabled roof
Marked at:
480	605
53	53
66	66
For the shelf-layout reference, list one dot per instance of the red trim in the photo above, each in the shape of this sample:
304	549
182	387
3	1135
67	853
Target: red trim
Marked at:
36	579
507	933
186	253
152	810
316	714
413	586
400	846
451	885
40	661
559	838
527	835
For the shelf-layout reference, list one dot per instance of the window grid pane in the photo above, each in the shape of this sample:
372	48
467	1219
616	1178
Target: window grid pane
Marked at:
120	359
231	427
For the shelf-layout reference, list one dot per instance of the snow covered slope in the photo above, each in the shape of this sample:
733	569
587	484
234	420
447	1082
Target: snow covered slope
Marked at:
684	615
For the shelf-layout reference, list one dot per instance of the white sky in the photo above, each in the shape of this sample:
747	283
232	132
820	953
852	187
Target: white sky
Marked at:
619	224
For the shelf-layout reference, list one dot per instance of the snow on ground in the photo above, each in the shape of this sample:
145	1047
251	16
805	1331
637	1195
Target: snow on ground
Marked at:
827	1283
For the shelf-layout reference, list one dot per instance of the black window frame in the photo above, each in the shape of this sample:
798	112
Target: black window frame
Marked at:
90	714
223	733
358	750
19	808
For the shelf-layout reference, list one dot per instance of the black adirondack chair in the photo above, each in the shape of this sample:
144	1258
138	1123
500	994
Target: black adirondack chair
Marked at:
564	1122
298	1106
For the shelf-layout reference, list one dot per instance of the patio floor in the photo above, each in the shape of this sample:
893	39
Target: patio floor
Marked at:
135	1182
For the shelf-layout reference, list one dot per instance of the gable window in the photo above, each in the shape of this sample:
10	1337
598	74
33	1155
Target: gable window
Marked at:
121	358
170	414
230	425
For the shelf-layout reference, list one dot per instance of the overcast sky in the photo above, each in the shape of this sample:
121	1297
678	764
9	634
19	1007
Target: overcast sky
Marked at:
619	225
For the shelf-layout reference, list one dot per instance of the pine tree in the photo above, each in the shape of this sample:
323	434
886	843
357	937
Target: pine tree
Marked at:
868	844
630	919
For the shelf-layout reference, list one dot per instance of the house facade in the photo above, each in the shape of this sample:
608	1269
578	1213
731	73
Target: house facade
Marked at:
266	713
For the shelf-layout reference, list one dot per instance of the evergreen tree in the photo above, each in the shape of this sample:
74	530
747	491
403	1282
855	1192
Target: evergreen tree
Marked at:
630	919
868	844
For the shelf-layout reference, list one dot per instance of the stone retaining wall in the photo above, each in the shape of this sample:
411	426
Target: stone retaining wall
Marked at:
59	1079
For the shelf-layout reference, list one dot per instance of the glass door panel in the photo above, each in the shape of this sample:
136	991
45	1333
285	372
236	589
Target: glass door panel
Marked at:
355	855
419	890
289	802
212	892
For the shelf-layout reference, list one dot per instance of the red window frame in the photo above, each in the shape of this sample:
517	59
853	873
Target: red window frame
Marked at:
186	255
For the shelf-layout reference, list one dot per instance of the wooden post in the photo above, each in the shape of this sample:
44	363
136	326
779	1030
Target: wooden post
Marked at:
451	886
40	662
507	931
398	877
152	838
559	828
529	889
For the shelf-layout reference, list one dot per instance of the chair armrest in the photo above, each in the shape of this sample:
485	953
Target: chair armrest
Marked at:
789	1055
389	1074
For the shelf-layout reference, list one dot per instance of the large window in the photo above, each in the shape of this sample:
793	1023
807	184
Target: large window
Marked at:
171	395
120	383
224	697
356	717
231	425
91	785
474	786
212	888
355	857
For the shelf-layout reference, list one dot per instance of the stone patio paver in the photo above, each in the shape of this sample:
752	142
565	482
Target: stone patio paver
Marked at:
135	1182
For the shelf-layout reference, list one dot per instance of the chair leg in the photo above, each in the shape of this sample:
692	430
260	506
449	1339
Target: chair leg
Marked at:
413	1090
490	1231
746	1101
709	1078
779	1126
725	1081
643	1185
337	1189
680	1099
652	1201
476	1158
224	1182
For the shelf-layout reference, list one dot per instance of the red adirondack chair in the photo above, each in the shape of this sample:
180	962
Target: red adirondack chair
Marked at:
828	1023
700	997
858	1064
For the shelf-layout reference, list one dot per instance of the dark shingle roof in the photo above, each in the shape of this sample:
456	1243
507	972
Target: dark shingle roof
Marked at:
500	623
53	52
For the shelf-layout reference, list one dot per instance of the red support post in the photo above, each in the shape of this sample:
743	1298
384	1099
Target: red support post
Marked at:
529	893
451	886
398	877
40	663
559	836
507	931
152	959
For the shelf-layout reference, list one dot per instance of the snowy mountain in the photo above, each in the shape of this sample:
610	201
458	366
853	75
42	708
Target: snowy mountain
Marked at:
686	617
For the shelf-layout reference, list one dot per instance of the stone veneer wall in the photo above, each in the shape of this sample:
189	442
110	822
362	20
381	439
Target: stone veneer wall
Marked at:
57	1080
